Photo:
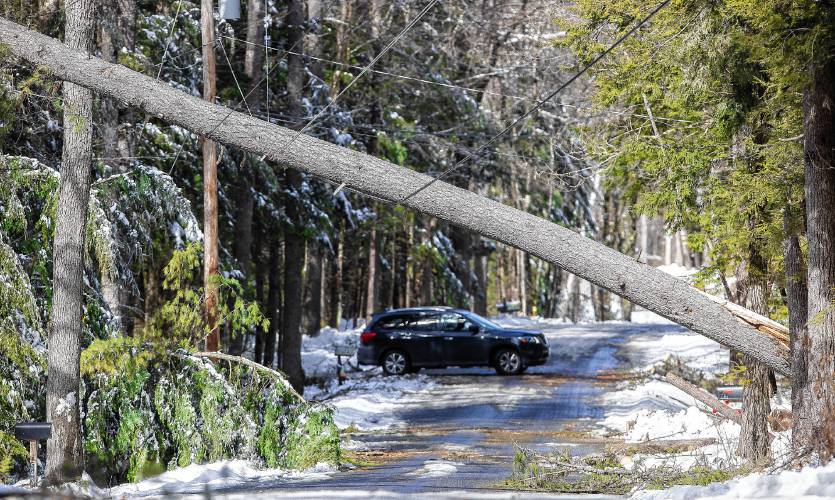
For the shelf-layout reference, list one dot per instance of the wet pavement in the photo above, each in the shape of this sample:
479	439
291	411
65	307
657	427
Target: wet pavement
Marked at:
458	442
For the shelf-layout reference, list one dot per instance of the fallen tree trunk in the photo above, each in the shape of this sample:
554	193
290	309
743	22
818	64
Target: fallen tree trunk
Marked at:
705	397
607	268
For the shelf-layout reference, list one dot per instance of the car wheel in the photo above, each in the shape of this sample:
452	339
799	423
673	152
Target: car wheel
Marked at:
396	363
507	362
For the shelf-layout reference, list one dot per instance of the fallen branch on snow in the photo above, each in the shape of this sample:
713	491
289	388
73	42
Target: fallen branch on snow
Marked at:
705	397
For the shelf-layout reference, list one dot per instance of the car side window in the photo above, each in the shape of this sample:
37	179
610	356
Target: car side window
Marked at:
424	323
454	322
392	323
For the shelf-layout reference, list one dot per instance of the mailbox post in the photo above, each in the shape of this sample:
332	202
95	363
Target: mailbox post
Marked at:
33	432
342	350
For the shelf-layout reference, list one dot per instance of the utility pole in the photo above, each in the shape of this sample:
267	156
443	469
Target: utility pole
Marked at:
210	237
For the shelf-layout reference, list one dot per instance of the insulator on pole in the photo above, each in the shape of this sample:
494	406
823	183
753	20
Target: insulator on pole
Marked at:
230	9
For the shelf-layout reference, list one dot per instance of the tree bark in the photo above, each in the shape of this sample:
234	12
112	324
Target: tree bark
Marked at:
605	267
754	440
291	327
335	280
371	284
108	112
242	248
796	297
273	303
64	458
260	332
254	56
210	232
313	289
819	156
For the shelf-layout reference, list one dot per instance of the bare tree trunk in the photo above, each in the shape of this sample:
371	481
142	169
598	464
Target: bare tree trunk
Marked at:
605	267
312	45
242	248
754	440
342	49
335	279
409	263
480	293
260	333
371	285
108	112
313	290
291	325
64	458
273	303
254	56
210	234
819	153
797	296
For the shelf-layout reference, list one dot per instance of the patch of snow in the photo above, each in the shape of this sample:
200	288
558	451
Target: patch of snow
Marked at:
215	476
810	482
437	468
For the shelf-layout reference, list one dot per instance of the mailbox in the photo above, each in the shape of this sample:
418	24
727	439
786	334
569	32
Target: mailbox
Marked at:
33	431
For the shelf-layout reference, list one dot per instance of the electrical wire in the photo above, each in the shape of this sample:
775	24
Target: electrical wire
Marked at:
362	73
542	102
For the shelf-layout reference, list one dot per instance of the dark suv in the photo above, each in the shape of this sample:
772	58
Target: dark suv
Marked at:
406	340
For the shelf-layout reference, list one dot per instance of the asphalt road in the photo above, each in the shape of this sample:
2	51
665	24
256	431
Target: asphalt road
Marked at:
459	441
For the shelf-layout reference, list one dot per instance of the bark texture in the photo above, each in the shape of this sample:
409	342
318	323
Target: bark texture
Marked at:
291	323
64	458
638	282
819	153
796	297
754	440
291	331
313	289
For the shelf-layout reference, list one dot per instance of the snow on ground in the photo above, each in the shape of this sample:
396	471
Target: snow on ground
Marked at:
437	468
810	482
366	400
215	476
318	358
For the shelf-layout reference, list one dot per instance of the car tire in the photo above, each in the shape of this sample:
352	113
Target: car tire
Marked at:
507	361
396	362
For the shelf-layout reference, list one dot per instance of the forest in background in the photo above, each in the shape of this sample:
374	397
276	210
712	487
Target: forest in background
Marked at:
698	119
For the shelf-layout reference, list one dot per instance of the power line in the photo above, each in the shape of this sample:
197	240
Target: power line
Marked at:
539	105
233	109
364	71
452	85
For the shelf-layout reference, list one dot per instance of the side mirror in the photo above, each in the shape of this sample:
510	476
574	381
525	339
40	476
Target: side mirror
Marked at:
474	329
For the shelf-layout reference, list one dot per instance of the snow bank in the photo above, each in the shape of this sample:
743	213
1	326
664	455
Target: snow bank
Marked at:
811	482
214	476
690	423
318	358
368	401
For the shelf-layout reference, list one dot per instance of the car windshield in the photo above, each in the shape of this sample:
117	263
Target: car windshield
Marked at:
484	322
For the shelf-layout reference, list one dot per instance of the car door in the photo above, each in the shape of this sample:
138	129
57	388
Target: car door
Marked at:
462	346
424	340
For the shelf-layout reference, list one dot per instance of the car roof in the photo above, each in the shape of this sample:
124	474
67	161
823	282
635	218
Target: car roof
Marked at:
413	310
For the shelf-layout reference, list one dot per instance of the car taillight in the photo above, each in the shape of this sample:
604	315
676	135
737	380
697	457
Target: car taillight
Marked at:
367	337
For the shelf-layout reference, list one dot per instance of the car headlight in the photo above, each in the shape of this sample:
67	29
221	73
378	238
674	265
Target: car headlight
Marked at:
529	340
